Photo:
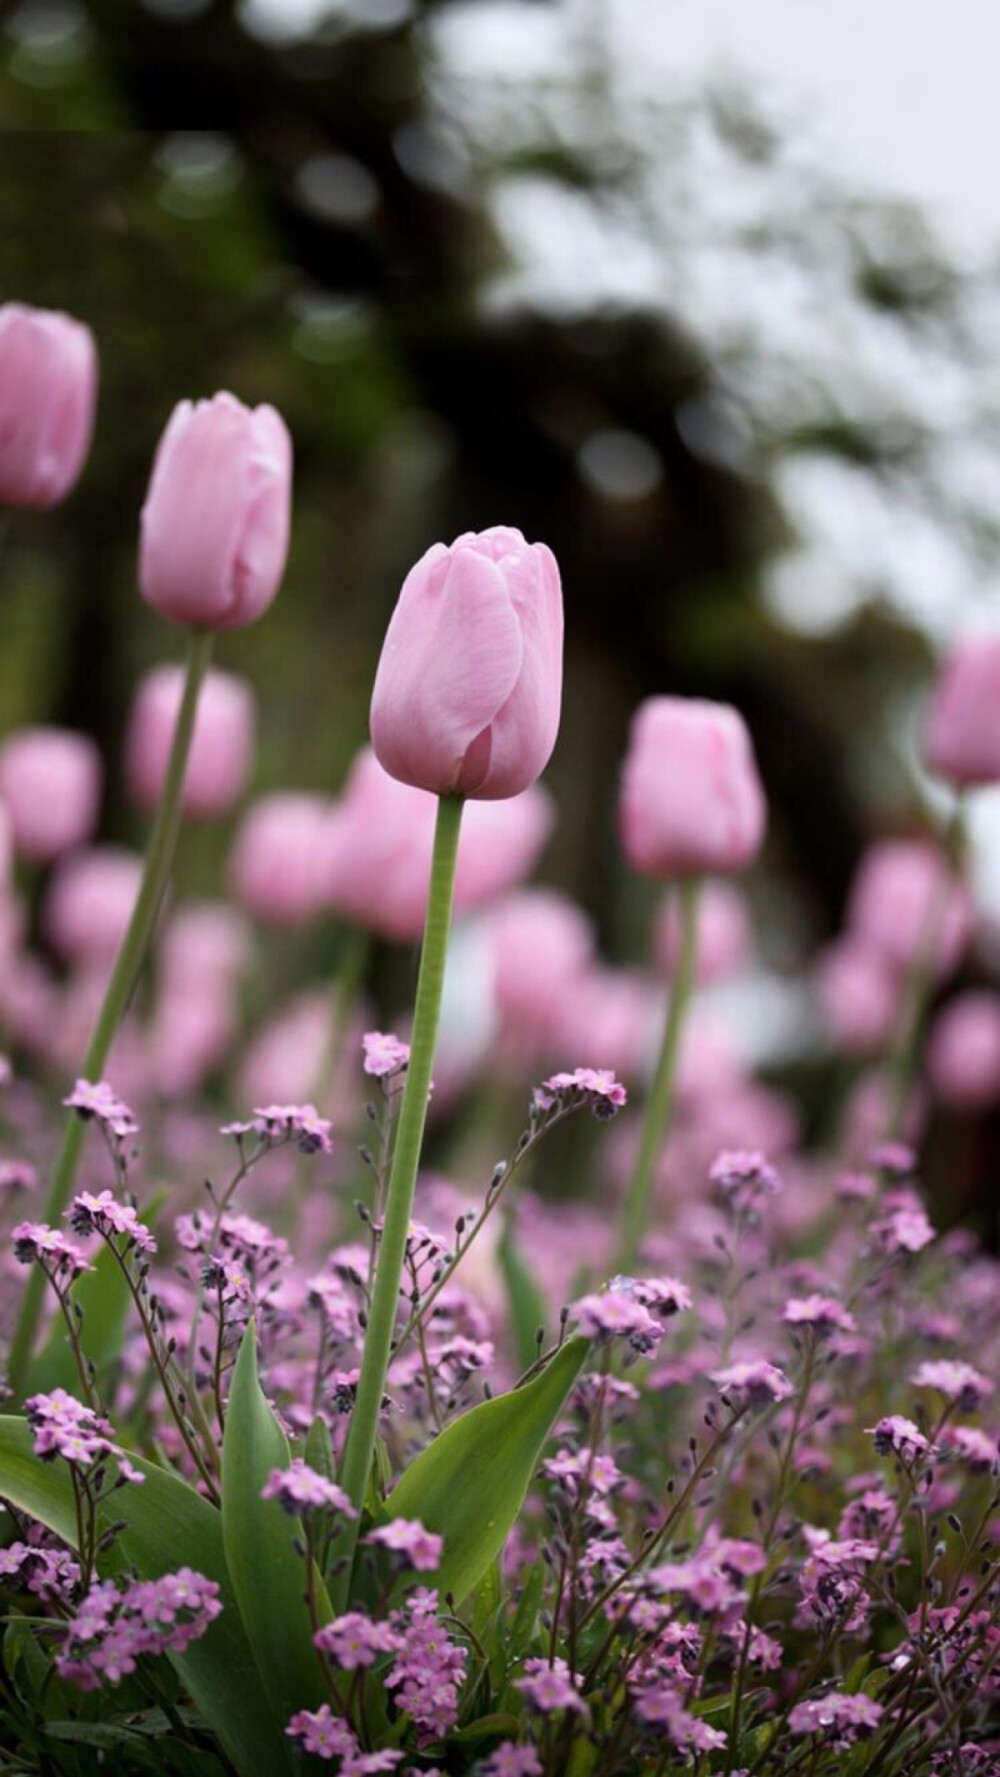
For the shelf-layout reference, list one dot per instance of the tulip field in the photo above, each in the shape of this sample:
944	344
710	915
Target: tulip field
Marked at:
508	1379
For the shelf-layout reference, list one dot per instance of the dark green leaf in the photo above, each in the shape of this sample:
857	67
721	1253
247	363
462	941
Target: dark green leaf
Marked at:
528	1307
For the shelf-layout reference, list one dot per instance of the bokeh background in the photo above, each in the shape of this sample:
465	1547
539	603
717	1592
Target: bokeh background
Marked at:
553	264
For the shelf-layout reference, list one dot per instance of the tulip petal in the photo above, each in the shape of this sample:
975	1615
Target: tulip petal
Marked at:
525	728
452	657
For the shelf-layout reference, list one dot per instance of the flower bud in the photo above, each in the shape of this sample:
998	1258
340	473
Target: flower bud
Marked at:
274	866
217	514
221	742
963	1051
89	903
691	801
962	736
469	684
904	897
48	398
50	780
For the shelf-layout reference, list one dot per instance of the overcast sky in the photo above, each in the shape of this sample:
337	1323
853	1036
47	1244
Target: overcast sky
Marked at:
905	92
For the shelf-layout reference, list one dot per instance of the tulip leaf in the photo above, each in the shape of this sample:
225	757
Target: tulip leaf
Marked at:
268	1575
166	1525
469	1485
528	1308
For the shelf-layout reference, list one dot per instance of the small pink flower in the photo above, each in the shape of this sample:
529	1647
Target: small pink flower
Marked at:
421	1548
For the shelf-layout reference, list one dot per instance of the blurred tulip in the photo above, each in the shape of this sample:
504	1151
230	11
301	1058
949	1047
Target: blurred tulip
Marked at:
962	736
377	844
691	801
963	1051
723	943
216	520
50	781
275	863
540	942
48	399
190	1035
221	754
858	989
6	851
904	896
204	941
286	1058
469	684
609	1018
89	903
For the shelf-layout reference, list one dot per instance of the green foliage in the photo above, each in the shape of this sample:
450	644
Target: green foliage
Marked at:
266	1572
470	1484
165	1525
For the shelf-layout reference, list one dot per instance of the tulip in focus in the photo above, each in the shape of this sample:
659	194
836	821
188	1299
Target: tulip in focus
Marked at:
904	896
50	781
48	399
724	941
962	736
89	903
963	1052
377	850
469	684
215	525
274	866
691	801
221	754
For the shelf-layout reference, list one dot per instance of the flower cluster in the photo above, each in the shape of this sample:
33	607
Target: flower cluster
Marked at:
115	1626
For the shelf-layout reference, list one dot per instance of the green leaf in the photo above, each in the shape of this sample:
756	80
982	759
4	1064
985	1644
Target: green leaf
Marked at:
522	1632
104	1297
528	1307
166	1525
318	1450
268	1575
469	1485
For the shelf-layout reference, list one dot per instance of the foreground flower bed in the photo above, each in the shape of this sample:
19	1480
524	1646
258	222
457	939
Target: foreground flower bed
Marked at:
662	1442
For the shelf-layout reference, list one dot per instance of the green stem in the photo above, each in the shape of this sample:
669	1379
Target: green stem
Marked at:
659	1104
128	962
363	1429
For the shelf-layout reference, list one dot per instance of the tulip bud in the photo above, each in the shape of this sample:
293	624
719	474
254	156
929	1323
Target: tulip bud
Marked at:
221	743
274	867
903	897
378	841
541	944
89	903
50	780
48	398
469	684
858	989
217	514
723	943
962	736
691	801
963	1051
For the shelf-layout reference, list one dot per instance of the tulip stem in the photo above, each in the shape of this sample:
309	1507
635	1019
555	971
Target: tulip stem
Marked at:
659	1104
363	1429
128	963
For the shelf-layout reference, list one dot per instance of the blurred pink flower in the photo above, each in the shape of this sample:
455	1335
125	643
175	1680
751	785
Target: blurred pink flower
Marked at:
221	753
48	400
50	781
691	801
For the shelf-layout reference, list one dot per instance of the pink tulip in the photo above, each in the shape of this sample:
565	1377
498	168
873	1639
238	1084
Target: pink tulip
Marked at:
274	866
903	897
204	941
377	850
962	736
50	780
216	520
609	1018
858	989
48	398
284	1061
469	685
6	852
963	1051
89	903
724	941
221	743
190	1035
691	801
540	943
